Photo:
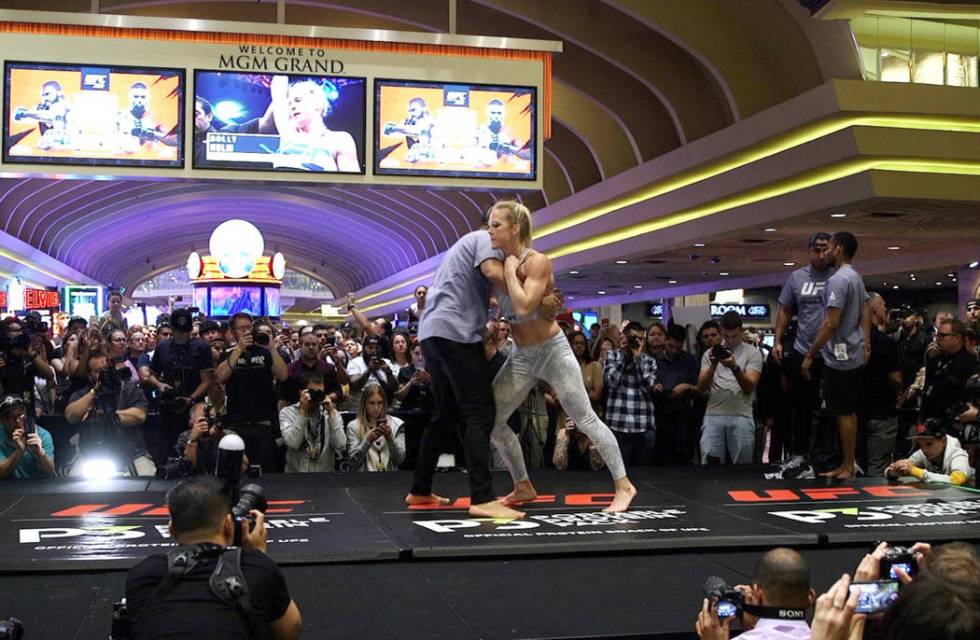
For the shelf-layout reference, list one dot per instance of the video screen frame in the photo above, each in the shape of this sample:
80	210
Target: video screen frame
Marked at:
179	72
233	166
439	173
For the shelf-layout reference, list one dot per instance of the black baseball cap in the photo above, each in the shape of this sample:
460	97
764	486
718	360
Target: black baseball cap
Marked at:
972	304
10	402
210	325
930	428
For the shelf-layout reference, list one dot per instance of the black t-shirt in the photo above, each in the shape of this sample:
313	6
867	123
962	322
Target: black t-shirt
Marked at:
189	610
250	390
880	393
17	375
419	397
102	427
180	365
946	377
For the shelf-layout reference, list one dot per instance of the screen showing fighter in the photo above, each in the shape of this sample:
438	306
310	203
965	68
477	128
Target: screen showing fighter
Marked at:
454	130
278	122
95	115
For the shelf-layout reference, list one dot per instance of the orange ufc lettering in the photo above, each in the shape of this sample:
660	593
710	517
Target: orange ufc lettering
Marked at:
829	493
589	499
898	491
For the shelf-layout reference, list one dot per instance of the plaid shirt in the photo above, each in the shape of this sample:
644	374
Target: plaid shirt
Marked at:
629	399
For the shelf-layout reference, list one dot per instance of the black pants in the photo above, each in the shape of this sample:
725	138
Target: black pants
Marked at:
804	398
463	390
260	443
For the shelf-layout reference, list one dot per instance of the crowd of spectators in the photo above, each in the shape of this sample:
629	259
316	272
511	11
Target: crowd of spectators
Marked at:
848	386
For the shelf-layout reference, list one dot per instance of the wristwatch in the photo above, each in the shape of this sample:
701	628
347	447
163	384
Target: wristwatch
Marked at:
735	370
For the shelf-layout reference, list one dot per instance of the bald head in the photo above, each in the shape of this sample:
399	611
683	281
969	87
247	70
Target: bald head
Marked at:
785	577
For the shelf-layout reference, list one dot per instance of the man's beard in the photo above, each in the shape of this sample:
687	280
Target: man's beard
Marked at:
495	126
138	110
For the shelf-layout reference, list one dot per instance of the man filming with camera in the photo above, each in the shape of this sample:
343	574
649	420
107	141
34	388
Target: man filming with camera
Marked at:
773	607
371	368
248	374
730	372
630	375
110	411
312	428
196	451
181	371
26	450
189	594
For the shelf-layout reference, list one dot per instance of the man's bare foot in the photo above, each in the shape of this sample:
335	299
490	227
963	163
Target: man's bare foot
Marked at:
495	510
840	473
523	492
431	499
625	492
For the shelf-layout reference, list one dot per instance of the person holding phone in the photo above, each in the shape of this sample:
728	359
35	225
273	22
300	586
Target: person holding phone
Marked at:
26	450
376	440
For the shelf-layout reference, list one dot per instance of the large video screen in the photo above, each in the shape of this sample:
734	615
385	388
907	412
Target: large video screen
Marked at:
227	301
93	115
454	130
278	122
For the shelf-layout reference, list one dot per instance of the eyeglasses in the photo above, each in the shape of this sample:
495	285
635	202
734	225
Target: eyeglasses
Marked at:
940	334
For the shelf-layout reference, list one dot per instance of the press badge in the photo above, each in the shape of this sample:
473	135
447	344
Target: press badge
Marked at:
840	352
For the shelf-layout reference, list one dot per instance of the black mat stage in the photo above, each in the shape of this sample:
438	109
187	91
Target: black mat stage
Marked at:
568	570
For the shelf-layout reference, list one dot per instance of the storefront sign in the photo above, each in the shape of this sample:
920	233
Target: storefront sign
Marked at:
41	299
752	312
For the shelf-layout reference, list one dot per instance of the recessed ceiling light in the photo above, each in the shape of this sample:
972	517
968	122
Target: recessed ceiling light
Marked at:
698	244
672	282
951	275
622	262
637	286
894	286
723	273
571	297
954	279
894	248
789	264
573	273
939	284
601	293
974	264
769	229
838	215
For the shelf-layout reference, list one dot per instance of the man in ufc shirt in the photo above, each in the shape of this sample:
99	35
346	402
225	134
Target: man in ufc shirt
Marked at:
804	295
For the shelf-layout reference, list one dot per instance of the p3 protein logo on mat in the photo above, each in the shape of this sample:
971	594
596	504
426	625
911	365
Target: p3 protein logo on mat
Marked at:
915	514
564	524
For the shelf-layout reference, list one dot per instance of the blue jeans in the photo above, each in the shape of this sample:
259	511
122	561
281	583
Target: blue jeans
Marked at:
727	437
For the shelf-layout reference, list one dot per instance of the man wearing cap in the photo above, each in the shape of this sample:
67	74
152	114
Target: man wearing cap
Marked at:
939	457
370	368
972	310
181	370
23	455
804	296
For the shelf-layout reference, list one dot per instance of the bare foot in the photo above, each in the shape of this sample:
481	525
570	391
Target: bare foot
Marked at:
625	492
431	499
495	510
523	492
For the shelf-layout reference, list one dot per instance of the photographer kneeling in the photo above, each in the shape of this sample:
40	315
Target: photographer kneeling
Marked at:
110	411
774	605
171	595
196	450
312	428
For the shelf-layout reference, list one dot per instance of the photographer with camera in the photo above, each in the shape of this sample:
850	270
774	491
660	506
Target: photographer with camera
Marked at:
774	606
629	375
376	440
24	356
181	371
206	588
110	411
26	450
313	358
370	368
729	424
938	458
312	428
574	450
249	374
196	451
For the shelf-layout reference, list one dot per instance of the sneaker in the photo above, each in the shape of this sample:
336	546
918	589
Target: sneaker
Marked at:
793	462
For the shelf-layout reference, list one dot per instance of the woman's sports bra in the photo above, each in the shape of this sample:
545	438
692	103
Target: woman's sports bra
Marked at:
507	311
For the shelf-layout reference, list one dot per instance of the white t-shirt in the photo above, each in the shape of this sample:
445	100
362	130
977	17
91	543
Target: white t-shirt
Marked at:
358	366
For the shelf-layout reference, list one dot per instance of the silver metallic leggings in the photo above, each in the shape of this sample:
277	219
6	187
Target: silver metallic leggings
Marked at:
553	362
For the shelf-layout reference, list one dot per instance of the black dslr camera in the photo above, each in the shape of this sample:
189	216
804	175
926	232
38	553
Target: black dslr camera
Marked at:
720	352
261	339
250	497
317	396
894	558
728	601
633	343
11	629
